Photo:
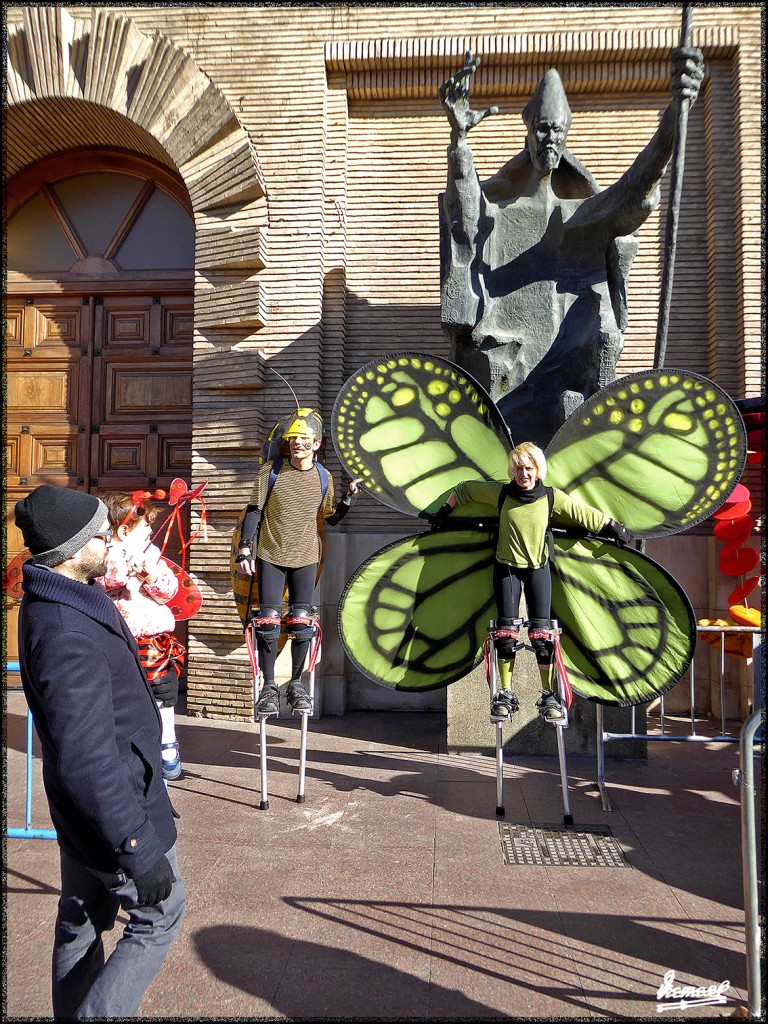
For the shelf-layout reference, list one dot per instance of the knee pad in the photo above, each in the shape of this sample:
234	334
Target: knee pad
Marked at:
540	638
266	624
300	623
505	638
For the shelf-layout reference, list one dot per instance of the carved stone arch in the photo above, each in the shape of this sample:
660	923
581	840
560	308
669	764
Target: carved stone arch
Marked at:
93	79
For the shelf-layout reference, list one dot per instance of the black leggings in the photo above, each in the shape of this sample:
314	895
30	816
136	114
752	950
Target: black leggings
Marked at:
509	583
301	591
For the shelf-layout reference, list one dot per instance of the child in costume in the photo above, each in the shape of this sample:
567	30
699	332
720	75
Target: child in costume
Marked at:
141	584
280	541
522	565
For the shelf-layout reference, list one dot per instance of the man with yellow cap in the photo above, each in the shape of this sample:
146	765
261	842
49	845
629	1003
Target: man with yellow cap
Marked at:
281	542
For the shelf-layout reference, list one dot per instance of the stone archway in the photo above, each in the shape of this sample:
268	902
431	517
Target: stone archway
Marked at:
91	80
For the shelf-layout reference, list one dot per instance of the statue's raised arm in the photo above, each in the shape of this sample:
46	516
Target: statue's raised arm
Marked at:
464	218
636	192
454	95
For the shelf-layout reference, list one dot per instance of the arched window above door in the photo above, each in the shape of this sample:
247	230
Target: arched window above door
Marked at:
101	214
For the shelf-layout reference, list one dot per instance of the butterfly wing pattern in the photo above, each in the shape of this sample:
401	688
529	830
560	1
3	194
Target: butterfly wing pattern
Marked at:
629	631
414	616
659	451
413	426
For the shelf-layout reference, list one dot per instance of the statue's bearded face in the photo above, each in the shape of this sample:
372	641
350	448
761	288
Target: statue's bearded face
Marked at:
546	142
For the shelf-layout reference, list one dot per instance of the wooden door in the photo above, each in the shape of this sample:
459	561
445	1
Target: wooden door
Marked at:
99	397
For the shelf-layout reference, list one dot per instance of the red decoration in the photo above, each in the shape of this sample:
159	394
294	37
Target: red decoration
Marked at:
738	562
12	578
733	511
739	493
733	526
745	616
180	495
187	601
734	529
740	593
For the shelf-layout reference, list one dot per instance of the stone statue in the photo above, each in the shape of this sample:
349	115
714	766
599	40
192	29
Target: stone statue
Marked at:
534	261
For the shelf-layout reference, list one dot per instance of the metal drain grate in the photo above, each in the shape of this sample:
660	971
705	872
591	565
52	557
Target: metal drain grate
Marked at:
589	846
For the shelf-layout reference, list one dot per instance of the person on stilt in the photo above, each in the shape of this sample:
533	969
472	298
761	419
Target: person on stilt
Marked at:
141	584
522	565
280	542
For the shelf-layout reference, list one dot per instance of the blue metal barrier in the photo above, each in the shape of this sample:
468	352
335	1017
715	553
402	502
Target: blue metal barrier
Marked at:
28	832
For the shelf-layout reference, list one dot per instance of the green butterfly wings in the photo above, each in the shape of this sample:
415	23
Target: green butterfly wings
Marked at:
414	616
629	631
400	618
413	426
658	451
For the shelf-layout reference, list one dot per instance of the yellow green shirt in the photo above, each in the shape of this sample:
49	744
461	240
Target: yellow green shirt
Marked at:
523	526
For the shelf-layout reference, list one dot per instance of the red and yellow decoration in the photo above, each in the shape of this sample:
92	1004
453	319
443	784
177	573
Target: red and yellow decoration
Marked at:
733	527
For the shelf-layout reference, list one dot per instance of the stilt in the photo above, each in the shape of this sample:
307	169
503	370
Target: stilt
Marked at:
313	656
28	832
315	652
561	725
264	802
567	816
492	670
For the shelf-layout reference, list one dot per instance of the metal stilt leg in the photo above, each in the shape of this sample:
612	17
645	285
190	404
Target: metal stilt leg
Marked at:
493	684
302	757
28	832
314	657
264	802
567	816
261	718
562	724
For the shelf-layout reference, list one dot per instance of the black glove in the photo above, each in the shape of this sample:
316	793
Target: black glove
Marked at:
437	519
155	885
618	532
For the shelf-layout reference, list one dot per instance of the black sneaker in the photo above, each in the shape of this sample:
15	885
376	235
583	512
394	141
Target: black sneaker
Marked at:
269	700
503	706
298	697
550	707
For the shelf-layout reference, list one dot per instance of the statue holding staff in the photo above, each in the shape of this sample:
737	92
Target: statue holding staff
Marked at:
536	259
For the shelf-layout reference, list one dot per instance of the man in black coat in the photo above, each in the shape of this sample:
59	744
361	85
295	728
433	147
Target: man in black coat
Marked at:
99	730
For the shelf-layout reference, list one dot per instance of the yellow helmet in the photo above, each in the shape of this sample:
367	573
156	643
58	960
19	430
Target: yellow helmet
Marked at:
305	421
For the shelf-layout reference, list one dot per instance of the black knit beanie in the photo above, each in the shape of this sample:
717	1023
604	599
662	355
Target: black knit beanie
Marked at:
56	522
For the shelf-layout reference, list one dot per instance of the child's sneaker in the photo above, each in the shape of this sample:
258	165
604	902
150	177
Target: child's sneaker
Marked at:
503	705
171	769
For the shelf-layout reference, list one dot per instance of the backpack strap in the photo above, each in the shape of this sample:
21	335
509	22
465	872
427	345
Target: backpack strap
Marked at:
550	536
277	463
323	479
502	497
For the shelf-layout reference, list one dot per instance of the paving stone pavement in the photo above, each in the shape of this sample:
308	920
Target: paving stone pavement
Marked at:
386	895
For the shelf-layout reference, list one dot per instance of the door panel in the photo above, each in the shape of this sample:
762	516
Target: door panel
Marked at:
48	392
99	396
